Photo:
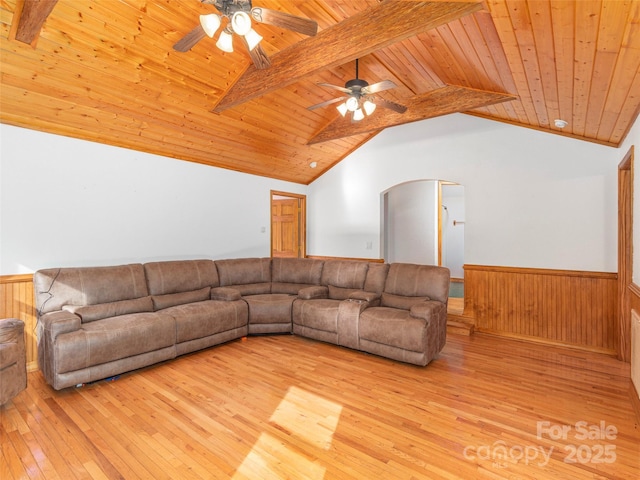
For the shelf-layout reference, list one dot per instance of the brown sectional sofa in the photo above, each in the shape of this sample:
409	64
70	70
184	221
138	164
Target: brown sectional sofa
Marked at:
97	322
13	359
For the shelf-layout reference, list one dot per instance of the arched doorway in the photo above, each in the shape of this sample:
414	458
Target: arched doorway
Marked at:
423	222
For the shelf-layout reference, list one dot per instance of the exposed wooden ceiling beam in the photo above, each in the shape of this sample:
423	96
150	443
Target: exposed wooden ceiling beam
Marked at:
375	28
445	100
31	19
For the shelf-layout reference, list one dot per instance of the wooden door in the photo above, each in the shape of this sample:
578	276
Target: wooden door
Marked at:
285	227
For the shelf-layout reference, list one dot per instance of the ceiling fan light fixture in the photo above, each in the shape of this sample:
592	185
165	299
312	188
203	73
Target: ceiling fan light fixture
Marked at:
369	107
352	104
342	108
358	115
225	42
253	38
210	23
241	23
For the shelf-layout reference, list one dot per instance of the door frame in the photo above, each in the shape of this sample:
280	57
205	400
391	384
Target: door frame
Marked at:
625	255
302	220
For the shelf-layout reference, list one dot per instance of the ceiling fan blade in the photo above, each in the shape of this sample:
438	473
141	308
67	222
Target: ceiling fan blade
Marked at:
442	101
396	107
258	56
302	25
328	102
190	39
378	87
372	29
335	87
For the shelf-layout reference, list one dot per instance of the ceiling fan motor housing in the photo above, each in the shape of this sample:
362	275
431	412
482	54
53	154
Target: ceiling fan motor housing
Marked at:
356	85
229	7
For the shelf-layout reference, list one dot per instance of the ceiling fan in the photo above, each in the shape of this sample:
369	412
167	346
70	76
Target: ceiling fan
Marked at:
360	99
238	15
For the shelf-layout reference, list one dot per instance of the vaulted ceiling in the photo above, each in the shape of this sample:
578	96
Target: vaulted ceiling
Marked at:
106	71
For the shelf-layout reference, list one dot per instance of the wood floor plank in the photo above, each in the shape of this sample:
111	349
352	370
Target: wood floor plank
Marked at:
288	407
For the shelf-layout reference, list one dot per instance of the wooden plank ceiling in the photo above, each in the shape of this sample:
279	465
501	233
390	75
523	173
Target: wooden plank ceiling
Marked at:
106	71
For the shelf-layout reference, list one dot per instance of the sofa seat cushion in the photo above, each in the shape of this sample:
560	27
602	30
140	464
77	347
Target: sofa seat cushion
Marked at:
340	293
400	301
112	339
393	327
320	314
289	288
202	319
90	313
271	308
9	354
253	288
172	299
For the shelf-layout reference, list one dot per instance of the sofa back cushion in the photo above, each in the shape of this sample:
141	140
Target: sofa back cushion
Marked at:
180	276
56	287
424	281
376	277
251	276
180	281
289	275
343	277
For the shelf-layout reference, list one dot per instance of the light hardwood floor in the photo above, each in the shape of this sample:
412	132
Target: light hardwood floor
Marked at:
288	407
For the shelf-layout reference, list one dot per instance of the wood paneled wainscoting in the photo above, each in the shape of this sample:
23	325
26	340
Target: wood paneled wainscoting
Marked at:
562	307
18	301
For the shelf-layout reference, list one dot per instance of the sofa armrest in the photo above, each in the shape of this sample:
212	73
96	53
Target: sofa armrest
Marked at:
428	310
11	330
226	294
49	327
310	293
57	323
372	298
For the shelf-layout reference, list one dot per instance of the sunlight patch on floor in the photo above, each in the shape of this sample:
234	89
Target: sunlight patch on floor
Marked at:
304	416
308	416
270	458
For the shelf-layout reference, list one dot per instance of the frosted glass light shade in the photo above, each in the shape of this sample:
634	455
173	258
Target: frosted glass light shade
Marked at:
342	108
225	42
253	38
369	107
358	115
352	104
210	23
241	23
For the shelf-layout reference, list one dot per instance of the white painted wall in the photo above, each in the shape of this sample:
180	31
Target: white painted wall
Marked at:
67	202
411	232
532	199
